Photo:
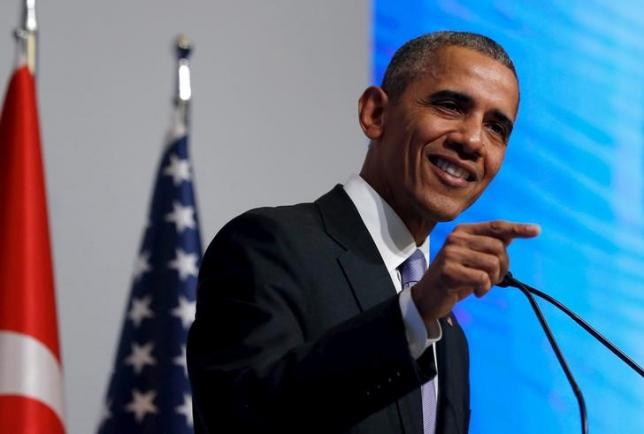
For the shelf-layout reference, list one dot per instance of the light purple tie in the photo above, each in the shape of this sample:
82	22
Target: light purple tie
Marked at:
411	271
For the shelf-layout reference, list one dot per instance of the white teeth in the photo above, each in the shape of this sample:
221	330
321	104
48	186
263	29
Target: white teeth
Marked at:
451	169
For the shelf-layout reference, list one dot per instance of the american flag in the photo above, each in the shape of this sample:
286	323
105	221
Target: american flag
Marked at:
149	391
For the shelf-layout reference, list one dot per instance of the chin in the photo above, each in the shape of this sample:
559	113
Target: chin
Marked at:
439	213
447	216
440	209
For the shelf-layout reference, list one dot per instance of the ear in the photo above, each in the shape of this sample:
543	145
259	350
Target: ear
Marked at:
371	111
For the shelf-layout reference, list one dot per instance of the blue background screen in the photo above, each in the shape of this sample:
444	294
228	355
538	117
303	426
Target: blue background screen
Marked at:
575	166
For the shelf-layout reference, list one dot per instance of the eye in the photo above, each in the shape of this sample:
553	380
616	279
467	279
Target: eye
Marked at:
448	106
498	129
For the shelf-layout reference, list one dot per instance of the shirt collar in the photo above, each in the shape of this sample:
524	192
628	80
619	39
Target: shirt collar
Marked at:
392	238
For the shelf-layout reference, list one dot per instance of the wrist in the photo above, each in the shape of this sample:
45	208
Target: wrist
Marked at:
429	316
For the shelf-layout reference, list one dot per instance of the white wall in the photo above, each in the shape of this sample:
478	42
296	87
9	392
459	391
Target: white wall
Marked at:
274	121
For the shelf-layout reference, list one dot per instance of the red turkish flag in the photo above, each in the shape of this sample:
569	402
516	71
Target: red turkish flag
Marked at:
31	380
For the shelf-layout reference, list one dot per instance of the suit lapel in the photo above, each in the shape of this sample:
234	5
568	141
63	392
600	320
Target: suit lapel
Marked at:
367	275
361	262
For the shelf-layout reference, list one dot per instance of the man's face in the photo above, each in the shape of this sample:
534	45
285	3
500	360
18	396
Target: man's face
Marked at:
443	140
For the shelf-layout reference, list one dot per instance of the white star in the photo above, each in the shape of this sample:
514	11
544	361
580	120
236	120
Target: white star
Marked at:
181	360
179	170
185	311
141	404
182	216
140	310
141	356
186	409
185	264
142	265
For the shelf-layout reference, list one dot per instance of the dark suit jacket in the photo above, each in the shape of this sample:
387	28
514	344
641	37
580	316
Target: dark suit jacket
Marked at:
298	329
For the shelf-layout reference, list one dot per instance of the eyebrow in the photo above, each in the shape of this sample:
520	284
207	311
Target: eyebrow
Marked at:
460	97
467	101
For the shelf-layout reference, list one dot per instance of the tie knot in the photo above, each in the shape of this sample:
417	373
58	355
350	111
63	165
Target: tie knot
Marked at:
412	270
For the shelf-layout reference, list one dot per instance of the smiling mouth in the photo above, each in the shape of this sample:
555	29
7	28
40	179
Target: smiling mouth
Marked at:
452	169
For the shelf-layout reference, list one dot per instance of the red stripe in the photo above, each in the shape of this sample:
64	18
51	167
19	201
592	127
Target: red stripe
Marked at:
20	415
27	303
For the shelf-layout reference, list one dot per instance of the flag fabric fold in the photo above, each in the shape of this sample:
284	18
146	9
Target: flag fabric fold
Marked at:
31	377
149	391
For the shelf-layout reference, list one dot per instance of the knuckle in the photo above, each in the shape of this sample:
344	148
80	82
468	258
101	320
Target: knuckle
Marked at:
452	238
498	263
490	264
459	227
450	251
448	274
497	246
447	270
496	225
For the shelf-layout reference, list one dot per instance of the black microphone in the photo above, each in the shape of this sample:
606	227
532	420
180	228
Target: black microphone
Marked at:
508	280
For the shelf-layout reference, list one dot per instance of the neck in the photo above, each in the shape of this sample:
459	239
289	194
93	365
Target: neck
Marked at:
418	227
419	231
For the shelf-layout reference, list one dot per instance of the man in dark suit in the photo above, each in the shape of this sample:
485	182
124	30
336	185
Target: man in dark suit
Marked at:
322	317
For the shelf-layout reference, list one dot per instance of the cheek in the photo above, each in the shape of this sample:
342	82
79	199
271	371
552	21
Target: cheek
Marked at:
494	161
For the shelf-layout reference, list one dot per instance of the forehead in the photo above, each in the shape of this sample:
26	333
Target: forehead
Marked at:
488	82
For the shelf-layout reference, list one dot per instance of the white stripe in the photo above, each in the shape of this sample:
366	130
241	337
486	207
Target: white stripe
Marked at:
28	368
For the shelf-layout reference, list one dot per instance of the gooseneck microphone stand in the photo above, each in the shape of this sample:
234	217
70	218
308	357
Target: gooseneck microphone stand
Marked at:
508	280
528	291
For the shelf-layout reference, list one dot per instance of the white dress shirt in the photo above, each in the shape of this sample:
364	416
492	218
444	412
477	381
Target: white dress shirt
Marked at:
395	244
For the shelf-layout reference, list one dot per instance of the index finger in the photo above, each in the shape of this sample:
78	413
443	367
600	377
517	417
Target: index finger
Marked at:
503	230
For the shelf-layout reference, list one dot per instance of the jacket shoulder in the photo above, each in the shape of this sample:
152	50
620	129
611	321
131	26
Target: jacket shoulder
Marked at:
279	223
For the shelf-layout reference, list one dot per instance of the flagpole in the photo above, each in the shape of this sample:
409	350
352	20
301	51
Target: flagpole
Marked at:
27	36
183	94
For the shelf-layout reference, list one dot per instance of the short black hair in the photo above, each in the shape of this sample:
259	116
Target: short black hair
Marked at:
415	56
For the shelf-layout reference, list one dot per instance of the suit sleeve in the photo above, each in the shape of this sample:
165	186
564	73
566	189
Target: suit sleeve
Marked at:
251	367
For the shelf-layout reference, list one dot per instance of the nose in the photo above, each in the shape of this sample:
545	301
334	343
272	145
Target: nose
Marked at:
466	139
